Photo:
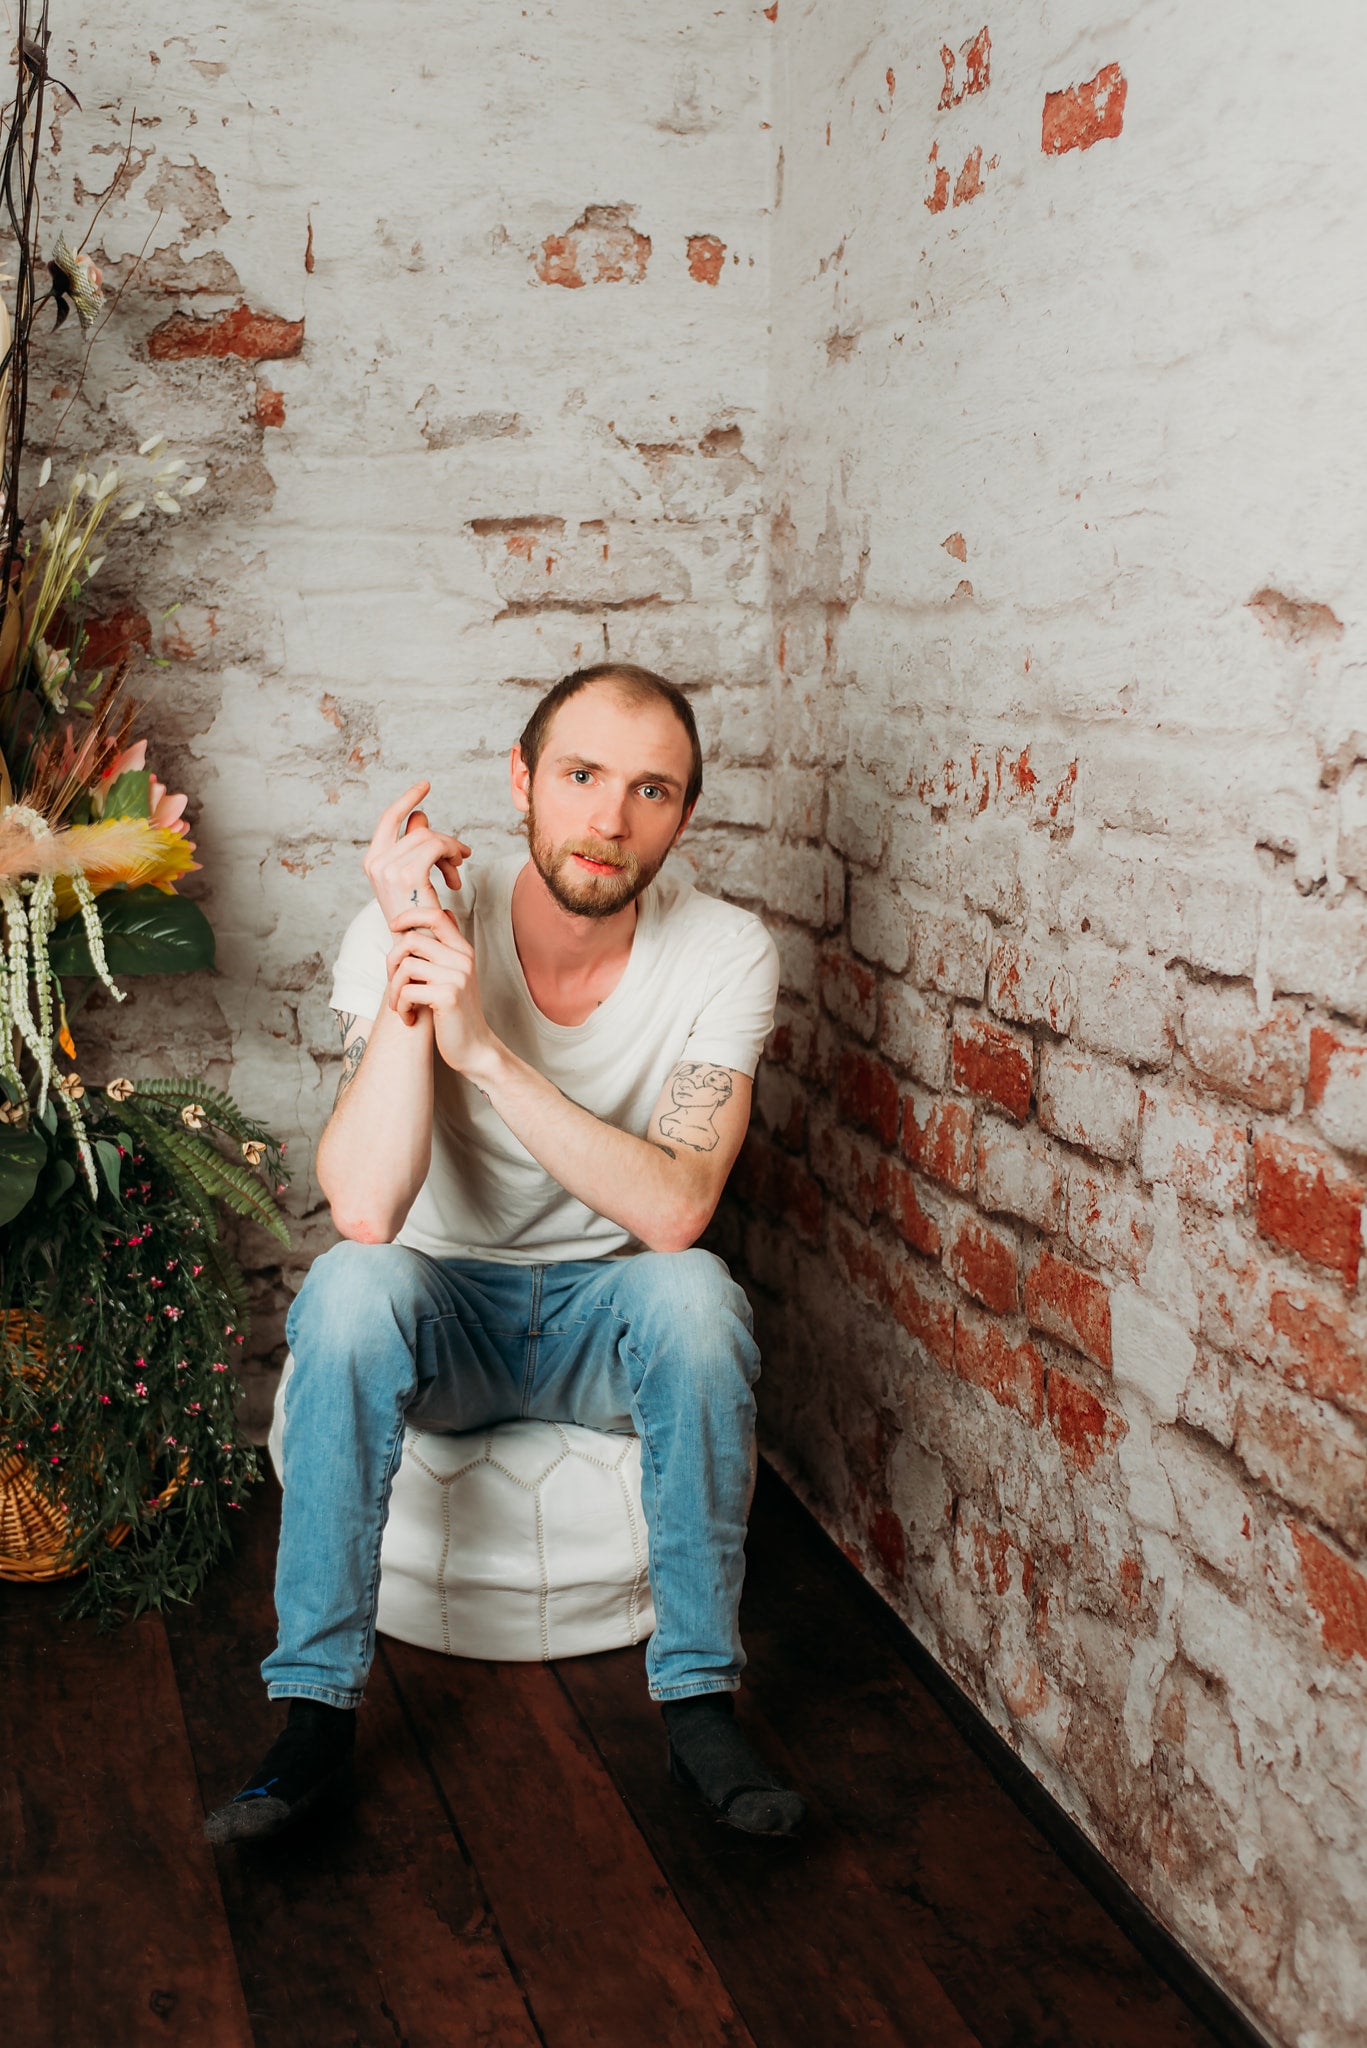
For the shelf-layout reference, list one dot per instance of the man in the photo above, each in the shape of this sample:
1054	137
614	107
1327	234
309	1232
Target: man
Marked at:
546	1081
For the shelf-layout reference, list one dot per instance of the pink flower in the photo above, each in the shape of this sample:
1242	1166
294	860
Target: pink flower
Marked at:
104	1400
172	1311
165	810
140	1388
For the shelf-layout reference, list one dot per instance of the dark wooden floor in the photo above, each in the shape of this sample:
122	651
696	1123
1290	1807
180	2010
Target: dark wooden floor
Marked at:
519	1868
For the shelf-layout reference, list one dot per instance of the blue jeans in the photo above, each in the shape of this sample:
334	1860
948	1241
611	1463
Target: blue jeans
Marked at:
660	1343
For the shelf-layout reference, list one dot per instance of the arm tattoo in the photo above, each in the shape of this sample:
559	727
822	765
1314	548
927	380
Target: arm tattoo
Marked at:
659	1147
352	1055
698	1092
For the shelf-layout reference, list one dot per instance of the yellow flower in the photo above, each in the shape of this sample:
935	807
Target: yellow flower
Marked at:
193	1117
71	1086
13	1113
120	1089
253	1151
129	850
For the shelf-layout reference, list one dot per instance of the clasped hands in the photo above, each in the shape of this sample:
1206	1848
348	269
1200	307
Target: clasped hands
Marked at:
432	965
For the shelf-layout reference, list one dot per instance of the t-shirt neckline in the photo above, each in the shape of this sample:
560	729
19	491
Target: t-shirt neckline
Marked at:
647	916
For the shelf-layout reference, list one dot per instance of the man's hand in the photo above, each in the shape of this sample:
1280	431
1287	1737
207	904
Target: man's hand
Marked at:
400	858
432	967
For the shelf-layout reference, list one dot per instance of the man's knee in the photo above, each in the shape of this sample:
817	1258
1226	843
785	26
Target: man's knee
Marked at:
685	1306
350	1288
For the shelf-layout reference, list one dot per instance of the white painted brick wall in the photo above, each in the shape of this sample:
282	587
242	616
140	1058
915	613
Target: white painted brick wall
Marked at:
477	480
1068	545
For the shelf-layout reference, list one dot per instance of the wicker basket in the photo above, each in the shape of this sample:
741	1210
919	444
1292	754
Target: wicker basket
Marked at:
35	1534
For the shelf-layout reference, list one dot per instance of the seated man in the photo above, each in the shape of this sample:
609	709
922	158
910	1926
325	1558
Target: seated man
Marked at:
545	1086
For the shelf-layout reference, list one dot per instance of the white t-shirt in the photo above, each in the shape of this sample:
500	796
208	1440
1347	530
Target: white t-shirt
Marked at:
700	985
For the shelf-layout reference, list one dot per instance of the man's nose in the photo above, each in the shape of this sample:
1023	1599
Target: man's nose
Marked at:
608	815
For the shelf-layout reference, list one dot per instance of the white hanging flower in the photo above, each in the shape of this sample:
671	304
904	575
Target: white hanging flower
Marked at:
133	511
165	469
193	1117
164	502
94	568
119	1089
109	483
253	1151
191	485
153	442
45	473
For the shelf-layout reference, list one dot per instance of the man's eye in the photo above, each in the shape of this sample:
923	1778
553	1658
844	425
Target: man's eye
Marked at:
652	790
579	775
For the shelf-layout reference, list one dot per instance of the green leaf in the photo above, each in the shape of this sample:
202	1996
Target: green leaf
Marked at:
129	795
110	1164
23	1155
60	1176
145	932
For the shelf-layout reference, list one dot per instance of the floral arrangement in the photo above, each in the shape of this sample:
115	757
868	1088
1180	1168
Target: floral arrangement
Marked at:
120	1306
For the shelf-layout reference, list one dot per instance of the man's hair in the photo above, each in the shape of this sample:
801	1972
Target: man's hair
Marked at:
635	686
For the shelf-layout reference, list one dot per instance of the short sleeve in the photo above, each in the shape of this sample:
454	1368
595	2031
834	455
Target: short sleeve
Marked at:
738	1012
358	979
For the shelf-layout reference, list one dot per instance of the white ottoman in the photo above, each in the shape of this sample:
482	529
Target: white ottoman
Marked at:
523	1541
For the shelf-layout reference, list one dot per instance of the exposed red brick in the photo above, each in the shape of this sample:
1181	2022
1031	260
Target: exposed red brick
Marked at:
601	247
848	1166
937	199
1085	1427
982	1259
937	1137
270	407
770	1180
849	990
1315	1350
705	258
1336	1091
977	56
1306	1452
256	337
994	1063
1257	1060
1308	1203
969	182
957	546
113	638
867	1094
925	1315
1070	1304
1013	1374
1083	114
1337	1592
889	1542
901	1204
862	1262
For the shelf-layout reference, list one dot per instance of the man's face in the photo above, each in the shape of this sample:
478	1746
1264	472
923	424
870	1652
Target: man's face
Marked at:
606	802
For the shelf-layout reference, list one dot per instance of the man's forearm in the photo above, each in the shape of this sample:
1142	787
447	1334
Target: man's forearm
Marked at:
631	1181
374	1155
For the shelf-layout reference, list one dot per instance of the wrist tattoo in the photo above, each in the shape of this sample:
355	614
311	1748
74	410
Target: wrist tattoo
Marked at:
698	1092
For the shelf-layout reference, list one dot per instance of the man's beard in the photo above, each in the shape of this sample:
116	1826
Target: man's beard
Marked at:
583	894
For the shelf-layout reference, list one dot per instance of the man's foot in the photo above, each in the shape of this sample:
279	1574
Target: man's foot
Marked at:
308	1760
708	1752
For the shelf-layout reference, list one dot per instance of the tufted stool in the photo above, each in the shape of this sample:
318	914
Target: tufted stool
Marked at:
522	1541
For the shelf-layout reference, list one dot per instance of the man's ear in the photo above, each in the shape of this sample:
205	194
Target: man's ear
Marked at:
683	821
520	775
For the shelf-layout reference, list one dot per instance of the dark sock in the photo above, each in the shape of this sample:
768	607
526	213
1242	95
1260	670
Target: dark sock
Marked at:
709	1752
308	1759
